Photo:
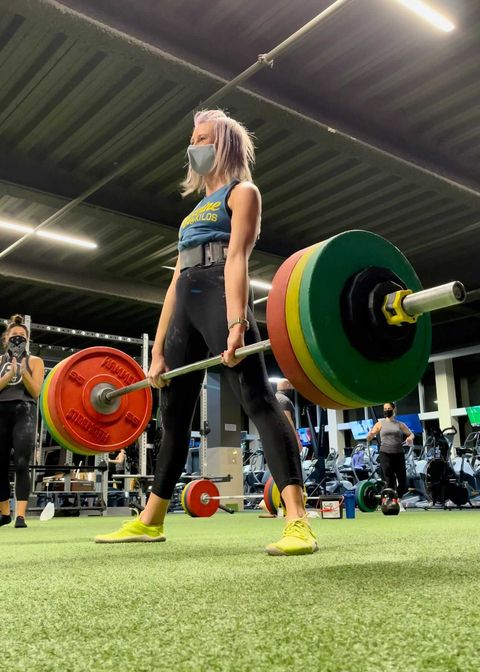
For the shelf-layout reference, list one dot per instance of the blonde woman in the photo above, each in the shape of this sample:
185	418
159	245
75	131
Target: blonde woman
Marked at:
208	309
21	379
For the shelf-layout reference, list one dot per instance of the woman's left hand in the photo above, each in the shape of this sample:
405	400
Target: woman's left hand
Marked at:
235	340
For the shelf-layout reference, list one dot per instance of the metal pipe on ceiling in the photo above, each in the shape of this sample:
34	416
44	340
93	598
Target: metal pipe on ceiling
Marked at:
263	61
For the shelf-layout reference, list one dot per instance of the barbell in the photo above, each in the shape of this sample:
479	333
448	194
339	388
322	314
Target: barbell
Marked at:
201	498
347	321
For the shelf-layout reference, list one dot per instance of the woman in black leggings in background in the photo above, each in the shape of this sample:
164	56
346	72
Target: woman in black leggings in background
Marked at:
392	455
21	379
208	309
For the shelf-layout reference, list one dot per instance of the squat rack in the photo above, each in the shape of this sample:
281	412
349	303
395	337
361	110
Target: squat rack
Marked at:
113	340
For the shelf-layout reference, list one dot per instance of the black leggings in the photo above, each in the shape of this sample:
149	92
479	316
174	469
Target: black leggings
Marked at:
199	327
18	425
394	471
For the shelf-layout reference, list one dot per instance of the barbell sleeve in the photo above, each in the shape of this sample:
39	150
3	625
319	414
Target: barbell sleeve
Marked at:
434	298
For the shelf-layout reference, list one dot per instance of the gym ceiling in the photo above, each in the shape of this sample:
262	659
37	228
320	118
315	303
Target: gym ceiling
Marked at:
371	121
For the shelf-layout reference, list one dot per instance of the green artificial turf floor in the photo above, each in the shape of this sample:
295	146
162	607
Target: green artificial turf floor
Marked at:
382	594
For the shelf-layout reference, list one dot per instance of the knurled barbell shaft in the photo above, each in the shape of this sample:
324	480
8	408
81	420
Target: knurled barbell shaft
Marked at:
261	346
417	303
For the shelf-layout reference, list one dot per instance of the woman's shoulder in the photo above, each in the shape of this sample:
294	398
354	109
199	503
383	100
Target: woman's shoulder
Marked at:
244	190
245	186
33	359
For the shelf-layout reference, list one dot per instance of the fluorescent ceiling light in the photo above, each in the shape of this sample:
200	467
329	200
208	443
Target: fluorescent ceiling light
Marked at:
264	298
62	238
11	226
275	380
66	239
260	284
169	268
429	14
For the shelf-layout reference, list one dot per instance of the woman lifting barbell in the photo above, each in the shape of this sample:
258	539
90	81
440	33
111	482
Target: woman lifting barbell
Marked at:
21	379
208	304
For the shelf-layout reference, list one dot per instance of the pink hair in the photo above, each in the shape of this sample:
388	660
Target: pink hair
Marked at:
235	151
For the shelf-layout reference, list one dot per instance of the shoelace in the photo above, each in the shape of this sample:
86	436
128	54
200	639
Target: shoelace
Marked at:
296	528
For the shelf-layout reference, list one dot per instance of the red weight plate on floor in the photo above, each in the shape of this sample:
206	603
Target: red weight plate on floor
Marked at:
280	341
196	505
273	499
82	422
271	502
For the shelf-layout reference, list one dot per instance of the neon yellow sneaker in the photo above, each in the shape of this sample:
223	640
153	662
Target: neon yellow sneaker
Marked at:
132	530
298	539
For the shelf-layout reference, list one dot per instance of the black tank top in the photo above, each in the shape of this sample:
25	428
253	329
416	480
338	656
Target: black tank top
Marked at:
15	390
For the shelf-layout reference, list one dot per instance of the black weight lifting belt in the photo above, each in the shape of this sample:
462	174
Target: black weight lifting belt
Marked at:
203	255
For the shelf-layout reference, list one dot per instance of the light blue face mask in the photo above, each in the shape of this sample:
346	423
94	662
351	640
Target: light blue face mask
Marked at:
201	158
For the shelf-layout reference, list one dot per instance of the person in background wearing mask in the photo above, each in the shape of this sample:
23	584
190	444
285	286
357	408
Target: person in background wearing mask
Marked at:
21	379
392	455
208	308
285	395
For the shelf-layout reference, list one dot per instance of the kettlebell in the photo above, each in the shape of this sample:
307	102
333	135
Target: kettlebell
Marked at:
390	505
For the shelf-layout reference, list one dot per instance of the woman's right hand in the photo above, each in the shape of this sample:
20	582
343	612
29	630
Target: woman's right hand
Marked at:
157	367
12	369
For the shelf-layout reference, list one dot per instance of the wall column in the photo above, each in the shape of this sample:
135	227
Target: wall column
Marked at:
446	396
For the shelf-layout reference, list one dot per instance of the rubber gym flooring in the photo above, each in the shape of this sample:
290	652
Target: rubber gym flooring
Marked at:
383	593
